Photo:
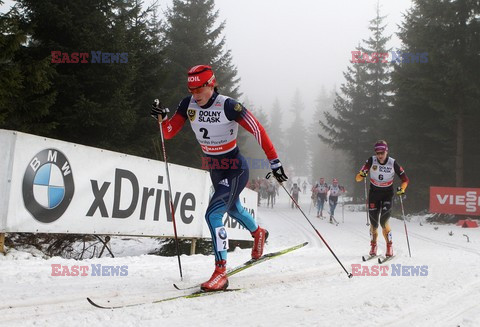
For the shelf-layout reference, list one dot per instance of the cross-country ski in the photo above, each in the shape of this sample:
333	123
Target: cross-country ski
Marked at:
250	263
136	304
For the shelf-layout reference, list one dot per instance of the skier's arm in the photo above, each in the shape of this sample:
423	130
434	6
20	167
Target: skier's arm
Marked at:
173	125
253	126
364	170
237	112
403	176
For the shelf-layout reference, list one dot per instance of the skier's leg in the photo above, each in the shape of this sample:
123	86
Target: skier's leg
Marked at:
373	213
237	181
331	204
387	231
213	216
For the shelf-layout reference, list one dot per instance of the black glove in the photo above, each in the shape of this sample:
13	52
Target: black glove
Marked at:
158	109
277	170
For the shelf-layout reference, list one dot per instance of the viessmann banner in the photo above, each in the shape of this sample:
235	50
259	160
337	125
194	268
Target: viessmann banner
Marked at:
455	200
50	186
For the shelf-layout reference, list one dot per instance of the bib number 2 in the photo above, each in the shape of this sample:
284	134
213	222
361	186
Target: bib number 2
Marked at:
205	133
221	238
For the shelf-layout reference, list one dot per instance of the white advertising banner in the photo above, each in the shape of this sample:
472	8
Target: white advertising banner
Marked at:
51	186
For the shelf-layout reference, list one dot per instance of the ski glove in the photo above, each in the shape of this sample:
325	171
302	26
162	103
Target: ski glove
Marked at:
277	170
158	109
400	191
360	176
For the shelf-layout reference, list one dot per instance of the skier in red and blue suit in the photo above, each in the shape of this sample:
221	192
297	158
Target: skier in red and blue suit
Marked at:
215	118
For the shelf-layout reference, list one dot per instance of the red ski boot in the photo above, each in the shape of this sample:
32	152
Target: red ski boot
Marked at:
373	248
389	252
260	236
219	279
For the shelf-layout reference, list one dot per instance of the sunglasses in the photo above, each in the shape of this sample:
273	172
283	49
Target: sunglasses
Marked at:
380	153
198	90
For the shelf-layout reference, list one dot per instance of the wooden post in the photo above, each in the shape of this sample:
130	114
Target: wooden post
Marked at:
2	243
193	246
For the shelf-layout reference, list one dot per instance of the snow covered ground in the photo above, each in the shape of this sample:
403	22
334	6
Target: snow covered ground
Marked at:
304	288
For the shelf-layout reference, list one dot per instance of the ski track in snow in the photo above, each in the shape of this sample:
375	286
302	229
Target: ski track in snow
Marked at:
304	288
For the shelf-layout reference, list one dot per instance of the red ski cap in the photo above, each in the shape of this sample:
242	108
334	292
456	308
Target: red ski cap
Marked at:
199	76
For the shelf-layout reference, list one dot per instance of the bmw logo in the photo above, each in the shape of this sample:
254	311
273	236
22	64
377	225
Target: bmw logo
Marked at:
222	233
48	185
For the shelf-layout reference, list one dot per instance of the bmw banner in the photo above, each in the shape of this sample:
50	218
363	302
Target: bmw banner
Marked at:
51	186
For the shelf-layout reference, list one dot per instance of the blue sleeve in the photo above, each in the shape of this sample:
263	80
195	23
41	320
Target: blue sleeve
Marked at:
233	109
183	106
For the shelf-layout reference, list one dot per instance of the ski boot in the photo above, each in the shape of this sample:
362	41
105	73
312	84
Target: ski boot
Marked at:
219	279
331	219
373	248
389	252
260	236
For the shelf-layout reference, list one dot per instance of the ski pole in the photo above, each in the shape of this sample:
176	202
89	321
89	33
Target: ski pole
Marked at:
405	224
318	233
172	210
366	201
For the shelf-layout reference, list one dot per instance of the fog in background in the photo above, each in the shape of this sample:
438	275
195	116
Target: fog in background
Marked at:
282	46
279	46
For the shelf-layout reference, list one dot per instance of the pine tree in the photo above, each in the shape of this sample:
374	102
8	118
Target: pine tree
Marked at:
296	154
363	105
275	131
26	93
143	41
93	101
438	99
378	76
191	37
325	161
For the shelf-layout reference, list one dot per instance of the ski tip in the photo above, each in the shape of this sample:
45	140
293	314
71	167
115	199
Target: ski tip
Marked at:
95	305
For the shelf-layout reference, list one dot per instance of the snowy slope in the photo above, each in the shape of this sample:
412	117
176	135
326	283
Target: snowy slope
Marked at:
304	288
